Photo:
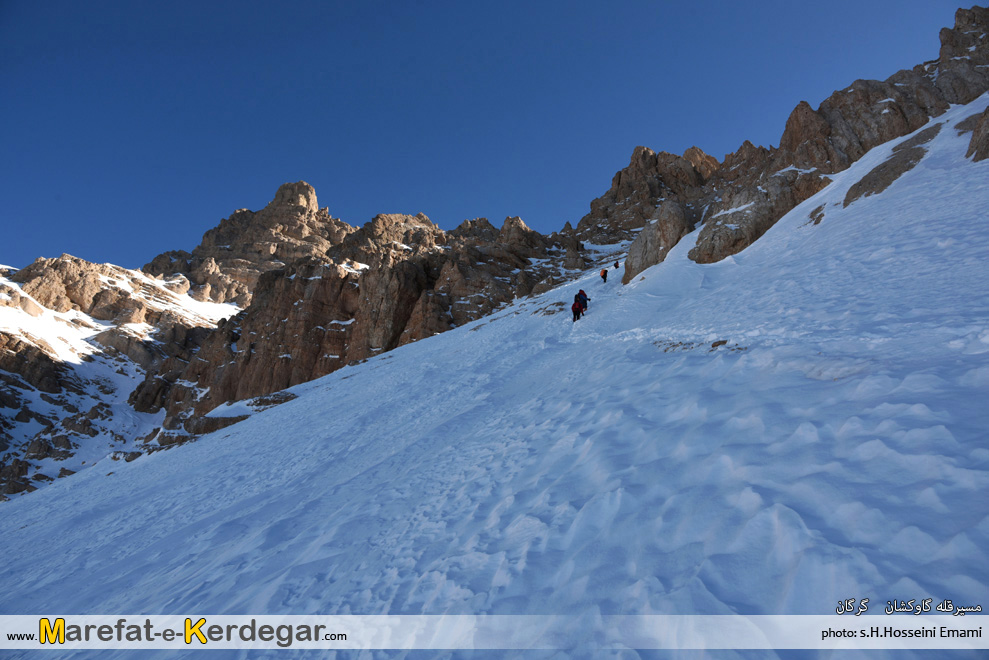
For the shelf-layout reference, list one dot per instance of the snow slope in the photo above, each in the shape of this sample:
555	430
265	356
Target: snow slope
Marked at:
835	447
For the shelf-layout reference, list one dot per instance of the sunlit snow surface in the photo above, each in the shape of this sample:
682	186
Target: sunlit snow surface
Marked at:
834	448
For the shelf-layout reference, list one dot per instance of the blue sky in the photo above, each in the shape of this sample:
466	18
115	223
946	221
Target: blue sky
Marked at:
131	128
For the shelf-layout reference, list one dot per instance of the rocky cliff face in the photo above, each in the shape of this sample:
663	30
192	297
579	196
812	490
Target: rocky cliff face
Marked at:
738	200
639	190
396	280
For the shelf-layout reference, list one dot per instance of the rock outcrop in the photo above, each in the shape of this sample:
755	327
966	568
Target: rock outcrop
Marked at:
978	147
637	192
905	156
36	366
704	164
672	222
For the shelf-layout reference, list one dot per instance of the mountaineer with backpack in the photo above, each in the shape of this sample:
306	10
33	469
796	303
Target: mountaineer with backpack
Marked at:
582	298
604	274
576	309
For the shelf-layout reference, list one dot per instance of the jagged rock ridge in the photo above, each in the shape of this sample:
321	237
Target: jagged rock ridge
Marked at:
738	200
227	264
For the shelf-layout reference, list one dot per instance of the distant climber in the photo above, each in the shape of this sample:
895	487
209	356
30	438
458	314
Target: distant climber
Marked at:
616	265
582	298
604	274
576	309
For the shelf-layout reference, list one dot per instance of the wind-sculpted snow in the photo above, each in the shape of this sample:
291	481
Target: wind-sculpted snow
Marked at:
793	426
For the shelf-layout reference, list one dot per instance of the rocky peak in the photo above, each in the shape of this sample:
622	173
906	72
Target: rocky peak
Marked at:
297	197
805	137
516	235
64	283
705	165
636	192
743	162
967	37
961	73
226	265
395	227
291	226
104	292
388	237
661	171
478	228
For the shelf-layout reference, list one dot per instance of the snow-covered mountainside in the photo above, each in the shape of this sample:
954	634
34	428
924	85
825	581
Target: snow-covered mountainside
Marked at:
68	374
797	424
314	294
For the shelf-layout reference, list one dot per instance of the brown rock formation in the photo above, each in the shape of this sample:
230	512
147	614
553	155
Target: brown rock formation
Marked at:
145	322
962	71
103	292
227	264
31	362
705	165
69	283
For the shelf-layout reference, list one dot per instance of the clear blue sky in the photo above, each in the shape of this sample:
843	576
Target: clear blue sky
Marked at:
130	128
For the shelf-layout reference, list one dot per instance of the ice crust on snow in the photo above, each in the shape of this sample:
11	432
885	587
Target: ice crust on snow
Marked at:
833	447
